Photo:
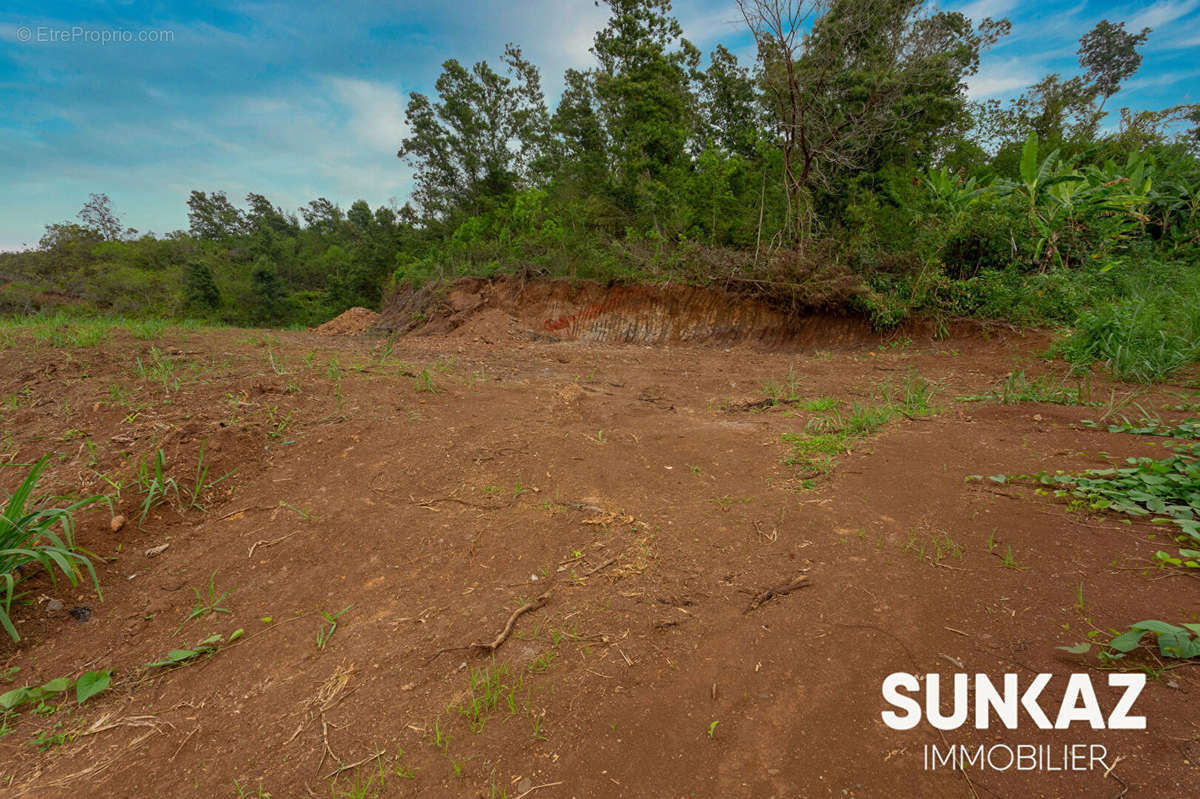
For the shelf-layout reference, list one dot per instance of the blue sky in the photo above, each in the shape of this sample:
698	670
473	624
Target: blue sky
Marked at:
303	100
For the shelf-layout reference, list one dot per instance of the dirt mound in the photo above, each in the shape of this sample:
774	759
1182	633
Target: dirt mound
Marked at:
351	322
511	308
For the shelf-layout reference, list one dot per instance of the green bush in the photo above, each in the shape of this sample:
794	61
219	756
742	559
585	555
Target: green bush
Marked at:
984	240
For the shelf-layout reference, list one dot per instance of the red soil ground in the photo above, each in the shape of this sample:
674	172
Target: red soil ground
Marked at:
435	485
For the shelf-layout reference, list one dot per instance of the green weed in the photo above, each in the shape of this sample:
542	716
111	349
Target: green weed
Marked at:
490	686
329	626
1179	642
424	382
829	432
1017	389
88	685
787	390
28	538
184	657
1166	490
156	487
158	369
146	329
1143	339
207	606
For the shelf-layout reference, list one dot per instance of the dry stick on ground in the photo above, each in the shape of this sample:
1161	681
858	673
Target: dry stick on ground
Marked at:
538	787
601	567
185	740
326	751
489	648
578	506
528	607
349	766
1109	773
271	543
242	510
799	581
763	404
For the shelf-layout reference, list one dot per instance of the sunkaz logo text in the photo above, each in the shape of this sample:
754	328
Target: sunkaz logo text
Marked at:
978	701
1078	704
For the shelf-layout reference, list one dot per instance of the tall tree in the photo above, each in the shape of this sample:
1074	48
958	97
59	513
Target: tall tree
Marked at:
483	136
1062	109
213	218
97	215
580	144
644	97
322	216
262	215
841	76
729	107
200	287
268	292
1110	56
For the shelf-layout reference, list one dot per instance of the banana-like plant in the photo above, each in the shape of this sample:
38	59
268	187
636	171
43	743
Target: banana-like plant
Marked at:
1173	200
1107	201
1038	177
950	192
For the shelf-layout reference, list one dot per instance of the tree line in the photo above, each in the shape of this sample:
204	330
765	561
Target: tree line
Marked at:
845	167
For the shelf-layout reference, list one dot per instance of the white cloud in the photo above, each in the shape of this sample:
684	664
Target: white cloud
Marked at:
713	27
1003	77
552	35
988	8
1161	13
1160	80
376	113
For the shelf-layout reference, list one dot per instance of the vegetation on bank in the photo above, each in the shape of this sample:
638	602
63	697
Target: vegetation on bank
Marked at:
846	168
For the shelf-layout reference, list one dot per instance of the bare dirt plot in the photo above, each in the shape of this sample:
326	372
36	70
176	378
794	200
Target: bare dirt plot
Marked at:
424	495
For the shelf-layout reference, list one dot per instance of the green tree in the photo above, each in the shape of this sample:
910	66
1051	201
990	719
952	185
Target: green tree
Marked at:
846	80
98	216
360	218
580	144
645	102
323	217
484	136
711	197
729	106
213	218
262	215
200	287
1064	111
268	292
1110	56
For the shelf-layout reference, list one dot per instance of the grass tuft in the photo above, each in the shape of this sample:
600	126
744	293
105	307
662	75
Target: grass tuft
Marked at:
28	539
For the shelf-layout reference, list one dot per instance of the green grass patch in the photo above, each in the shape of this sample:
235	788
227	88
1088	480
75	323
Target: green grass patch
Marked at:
831	431
1146	335
1017	389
